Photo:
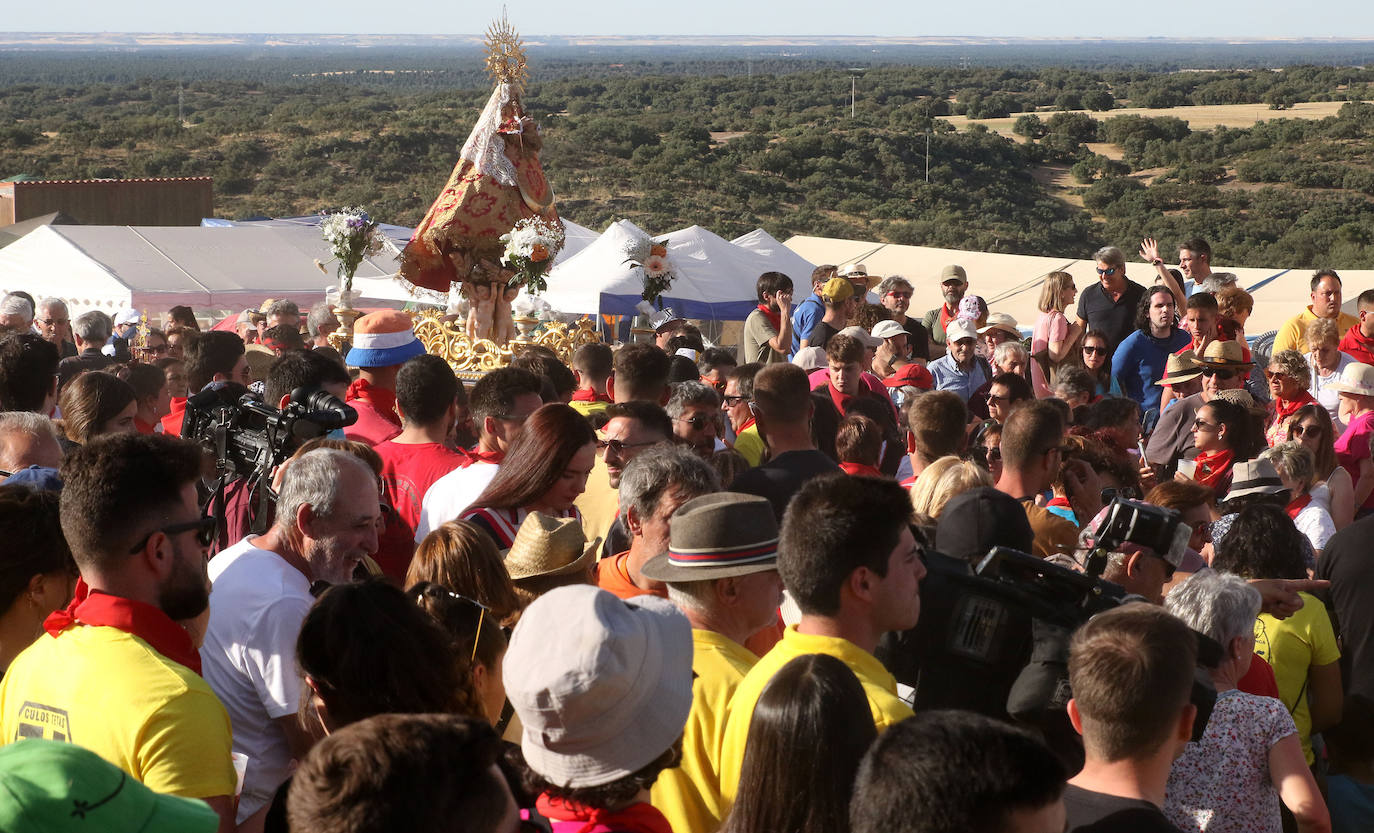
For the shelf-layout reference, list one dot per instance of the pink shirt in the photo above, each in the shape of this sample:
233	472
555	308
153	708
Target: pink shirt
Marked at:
1049	327
1353	446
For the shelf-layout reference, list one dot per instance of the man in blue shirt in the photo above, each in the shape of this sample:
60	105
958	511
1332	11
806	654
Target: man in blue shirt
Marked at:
1140	358
811	309
959	370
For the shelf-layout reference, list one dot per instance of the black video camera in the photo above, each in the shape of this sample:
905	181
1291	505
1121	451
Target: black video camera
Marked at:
994	638
248	436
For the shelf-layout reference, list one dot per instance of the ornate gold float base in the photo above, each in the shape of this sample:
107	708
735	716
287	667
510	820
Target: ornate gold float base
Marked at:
470	358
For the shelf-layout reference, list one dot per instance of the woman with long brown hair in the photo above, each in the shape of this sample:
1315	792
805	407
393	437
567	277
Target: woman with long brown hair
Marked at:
461	556
546	469
1311	425
96	403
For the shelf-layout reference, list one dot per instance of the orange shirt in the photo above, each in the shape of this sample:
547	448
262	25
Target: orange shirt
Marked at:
613	576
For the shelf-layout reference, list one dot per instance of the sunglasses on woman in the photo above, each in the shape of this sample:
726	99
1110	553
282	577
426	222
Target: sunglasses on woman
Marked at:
1094	351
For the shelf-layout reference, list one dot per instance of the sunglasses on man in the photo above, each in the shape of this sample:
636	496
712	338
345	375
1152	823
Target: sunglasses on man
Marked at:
204	527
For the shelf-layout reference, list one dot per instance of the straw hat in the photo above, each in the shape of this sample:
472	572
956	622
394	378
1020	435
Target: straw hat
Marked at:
1000	321
1237	396
1181	367
1224	354
717	536
856	273
1357	380
547	546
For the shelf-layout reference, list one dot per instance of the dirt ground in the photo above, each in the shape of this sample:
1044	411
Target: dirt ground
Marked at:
1203	117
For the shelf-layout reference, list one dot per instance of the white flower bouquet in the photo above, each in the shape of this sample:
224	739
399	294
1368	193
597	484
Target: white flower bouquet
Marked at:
352	235
530	249
652	259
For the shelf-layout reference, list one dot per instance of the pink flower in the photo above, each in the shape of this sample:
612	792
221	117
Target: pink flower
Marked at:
655	265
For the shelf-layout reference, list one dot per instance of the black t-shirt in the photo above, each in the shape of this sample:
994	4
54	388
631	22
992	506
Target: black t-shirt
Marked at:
1091	812
1346	563
1115	318
918	338
783	476
820	334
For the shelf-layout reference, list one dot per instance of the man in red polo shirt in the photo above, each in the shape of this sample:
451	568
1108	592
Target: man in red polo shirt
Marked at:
426	396
1358	341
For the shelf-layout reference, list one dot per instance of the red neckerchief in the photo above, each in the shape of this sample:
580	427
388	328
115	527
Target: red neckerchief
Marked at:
637	818
589	395
480	456
946	316
774	318
860	470
380	398
840	398
1284	408
97	609
1355	343
146	427
1212	467
1062	502
1298	505
748	423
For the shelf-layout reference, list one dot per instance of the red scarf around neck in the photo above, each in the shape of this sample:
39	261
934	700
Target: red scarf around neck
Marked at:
480	456
860	470
840	398
1212	467
637	818
589	395
774	318
1284	408
1297	506
380	398
97	609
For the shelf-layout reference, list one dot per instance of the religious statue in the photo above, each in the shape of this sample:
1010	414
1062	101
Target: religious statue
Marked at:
497	182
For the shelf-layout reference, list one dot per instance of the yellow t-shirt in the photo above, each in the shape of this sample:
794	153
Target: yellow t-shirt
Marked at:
878	684
1293	334
1292	645
110	692
586	409
689	795
750	444
598	503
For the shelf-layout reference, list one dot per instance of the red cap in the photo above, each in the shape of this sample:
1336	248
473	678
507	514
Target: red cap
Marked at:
912	374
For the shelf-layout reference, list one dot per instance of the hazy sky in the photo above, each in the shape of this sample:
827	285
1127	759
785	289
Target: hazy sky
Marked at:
1010	18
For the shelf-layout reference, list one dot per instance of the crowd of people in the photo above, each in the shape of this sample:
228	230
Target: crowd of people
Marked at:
672	587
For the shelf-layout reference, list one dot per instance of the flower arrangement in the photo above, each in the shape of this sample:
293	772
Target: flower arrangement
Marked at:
652	259
530	249
352	235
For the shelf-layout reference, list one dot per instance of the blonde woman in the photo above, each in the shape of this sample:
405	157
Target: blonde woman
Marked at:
1054	336
941	481
1308	507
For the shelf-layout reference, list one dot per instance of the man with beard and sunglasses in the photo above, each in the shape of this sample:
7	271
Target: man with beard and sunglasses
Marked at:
114	671
328	514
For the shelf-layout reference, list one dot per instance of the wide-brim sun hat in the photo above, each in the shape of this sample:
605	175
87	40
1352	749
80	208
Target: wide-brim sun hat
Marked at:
602	685
1000	321
1357	379
718	536
548	546
1224	355
856	273
1180	368
1254	477
383	339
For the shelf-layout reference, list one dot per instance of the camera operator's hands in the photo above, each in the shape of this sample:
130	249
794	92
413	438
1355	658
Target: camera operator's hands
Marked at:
1280	596
1084	489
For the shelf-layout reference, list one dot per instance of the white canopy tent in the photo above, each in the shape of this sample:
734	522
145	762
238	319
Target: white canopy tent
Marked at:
715	281
1011	283
155	267
780	258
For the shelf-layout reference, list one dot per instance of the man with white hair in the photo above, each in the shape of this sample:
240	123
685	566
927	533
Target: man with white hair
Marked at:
16	314
327	518
54	323
1110	305
91	330
27	439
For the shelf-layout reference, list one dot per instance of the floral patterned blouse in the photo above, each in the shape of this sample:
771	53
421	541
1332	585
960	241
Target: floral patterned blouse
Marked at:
1221	783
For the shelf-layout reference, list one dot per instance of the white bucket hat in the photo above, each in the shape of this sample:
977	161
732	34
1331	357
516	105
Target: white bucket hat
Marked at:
1357	379
602	685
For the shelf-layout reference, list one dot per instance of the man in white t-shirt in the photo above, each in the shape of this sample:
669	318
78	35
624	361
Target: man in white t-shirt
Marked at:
500	402
327	517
